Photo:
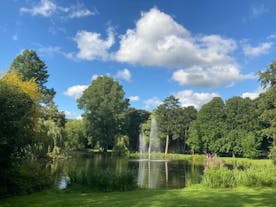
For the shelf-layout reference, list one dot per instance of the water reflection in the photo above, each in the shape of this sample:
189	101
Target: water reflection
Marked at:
150	174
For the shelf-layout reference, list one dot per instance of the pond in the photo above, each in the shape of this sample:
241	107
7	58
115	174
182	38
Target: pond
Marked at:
169	174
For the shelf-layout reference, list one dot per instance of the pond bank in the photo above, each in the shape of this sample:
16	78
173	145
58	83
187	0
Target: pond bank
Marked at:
193	196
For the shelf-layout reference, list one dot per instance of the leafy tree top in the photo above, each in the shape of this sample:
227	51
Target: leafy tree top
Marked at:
32	67
29	87
268	77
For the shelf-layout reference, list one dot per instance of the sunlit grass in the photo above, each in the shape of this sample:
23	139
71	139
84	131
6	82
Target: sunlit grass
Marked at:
192	196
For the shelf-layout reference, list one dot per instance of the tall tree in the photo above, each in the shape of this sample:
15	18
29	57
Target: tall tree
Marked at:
32	67
207	130
241	118
166	116
104	104
267	116
267	106
184	117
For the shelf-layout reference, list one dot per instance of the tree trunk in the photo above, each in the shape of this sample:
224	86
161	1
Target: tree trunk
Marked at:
167	145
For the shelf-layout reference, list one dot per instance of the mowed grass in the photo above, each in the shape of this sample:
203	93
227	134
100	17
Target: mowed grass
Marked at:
192	196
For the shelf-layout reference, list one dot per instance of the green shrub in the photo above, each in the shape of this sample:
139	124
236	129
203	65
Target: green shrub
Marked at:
28	177
104	180
121	146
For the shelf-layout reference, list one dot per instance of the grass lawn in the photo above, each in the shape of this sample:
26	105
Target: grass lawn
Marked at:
192	196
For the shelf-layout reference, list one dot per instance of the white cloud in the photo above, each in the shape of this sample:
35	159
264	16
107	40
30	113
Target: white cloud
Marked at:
190	98
208	76
79	11
133	98
45	8
124	74
92	47
158	40
152	103
48	8
75	91
262	48
72	115
253	95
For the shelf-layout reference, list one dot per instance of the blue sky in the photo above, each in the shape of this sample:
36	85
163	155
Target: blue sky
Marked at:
193	49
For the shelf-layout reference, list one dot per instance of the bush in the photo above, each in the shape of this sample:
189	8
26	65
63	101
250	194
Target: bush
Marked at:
28	177
121	146
104	180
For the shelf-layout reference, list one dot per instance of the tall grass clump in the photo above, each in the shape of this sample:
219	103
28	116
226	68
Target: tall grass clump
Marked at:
219	177
104	180
253	176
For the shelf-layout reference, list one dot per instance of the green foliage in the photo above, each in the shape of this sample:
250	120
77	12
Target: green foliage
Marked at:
268	77
133	121
219	177
104	180
28	176
174	122
252	176
75	135
209	127
17	120
104	105
121	146
272	154
31	67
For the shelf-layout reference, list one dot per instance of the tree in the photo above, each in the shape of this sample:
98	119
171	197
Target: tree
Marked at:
166	117
75	134
29	65
267	106
207	130
267	116
184	117
17	121
104	105
241	119
268	77
134	118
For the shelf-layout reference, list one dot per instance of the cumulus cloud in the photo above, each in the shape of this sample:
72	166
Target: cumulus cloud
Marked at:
75	91
158	40
254	51
91	46
124	74
133	98
210	76
47	8
190	98
152	103
253	95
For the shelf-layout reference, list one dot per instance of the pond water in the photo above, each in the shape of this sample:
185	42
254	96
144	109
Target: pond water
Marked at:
150	174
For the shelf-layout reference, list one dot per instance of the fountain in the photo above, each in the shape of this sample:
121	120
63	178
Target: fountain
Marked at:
149	169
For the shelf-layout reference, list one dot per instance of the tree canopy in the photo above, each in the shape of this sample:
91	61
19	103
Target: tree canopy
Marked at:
103	103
